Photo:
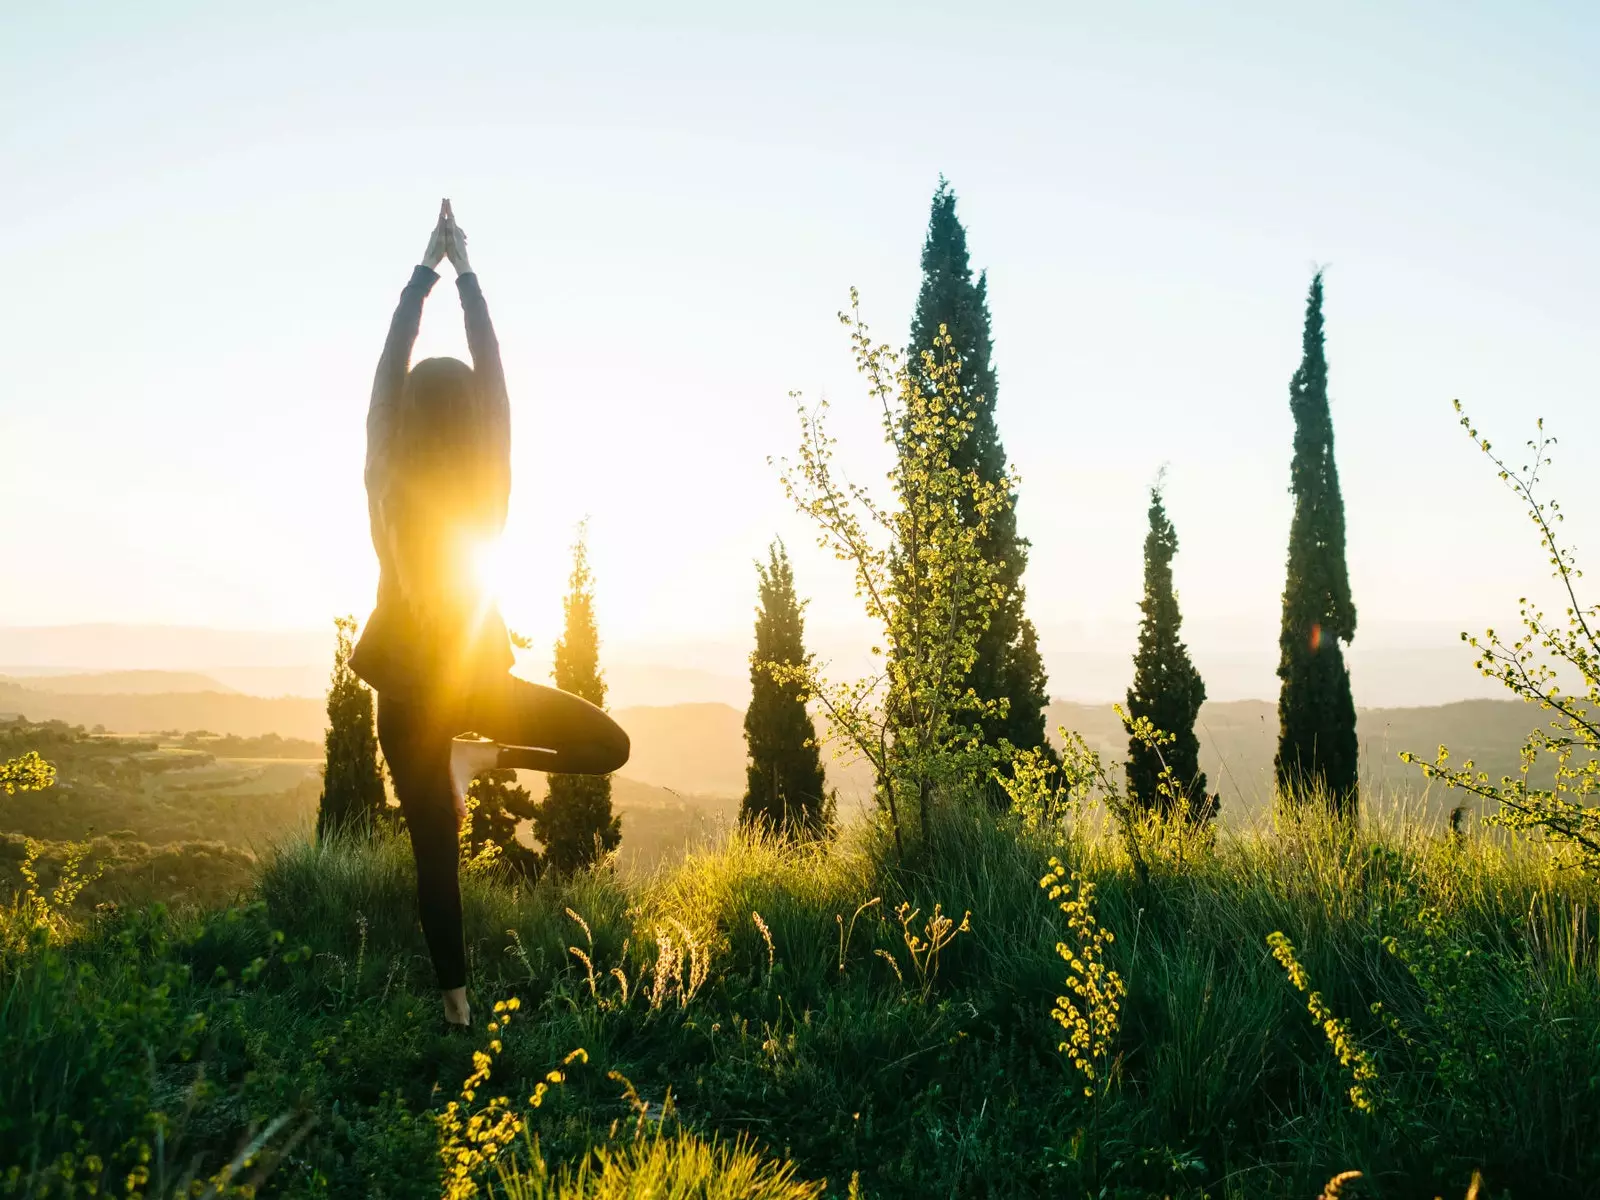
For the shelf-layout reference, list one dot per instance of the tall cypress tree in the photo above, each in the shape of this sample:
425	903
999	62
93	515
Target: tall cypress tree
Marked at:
352	798
785	786
1316	715
575	821
1166	687
1008	665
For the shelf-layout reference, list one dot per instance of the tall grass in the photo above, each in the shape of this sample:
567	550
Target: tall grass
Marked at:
787	1000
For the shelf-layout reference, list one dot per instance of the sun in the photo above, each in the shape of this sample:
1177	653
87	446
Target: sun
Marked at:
488	567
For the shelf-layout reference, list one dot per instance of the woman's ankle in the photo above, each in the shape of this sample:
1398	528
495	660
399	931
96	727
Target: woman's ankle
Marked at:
456	1011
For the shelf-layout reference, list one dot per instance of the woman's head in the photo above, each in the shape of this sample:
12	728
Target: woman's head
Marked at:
444	443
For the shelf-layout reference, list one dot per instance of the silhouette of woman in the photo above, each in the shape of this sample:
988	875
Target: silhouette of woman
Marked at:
436	650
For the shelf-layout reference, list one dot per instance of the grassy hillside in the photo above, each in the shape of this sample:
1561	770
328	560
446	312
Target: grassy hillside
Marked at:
828	1034
150	804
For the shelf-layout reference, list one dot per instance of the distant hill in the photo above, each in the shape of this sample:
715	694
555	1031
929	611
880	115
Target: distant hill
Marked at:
129	683
698	749
1239	739
132	712
687	747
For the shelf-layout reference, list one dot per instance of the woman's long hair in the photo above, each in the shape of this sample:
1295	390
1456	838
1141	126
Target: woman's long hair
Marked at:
448	491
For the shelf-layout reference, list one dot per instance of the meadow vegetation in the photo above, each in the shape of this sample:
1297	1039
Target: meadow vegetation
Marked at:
834	1008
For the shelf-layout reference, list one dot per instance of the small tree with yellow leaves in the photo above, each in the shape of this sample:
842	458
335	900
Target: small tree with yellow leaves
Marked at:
1554	664
920	573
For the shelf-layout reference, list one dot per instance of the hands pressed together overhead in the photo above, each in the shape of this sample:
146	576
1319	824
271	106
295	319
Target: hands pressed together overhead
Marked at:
448	240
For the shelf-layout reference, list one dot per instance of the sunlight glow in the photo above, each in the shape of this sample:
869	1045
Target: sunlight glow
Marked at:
489	568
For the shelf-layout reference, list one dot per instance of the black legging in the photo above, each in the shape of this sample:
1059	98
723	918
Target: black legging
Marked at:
538	728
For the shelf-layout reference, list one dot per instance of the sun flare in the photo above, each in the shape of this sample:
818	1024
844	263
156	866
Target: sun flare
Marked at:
488	567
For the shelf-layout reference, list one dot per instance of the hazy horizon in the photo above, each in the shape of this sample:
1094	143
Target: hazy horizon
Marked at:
1395	666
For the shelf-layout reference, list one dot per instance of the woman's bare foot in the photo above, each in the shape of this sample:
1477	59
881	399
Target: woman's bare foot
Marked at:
456	1011
469	758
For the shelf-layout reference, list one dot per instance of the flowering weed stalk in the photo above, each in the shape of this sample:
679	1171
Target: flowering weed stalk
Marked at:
1363	1071
470	1141
1091	1011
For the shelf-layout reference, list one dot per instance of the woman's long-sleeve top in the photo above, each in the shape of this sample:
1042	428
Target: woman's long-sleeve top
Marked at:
407	644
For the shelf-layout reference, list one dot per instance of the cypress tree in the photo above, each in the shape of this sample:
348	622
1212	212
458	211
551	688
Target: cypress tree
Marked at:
1008	665
574	821
1166	688
785	787
352	798
1316	715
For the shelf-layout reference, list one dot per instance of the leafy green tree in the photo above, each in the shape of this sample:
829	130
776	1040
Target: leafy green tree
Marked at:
353	798
1008	669
1165	777
921	574
574	821
1317	749
785	788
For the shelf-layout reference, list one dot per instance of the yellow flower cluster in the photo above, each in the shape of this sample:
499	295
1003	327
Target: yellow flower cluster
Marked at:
470	1141
1091	1013
1363	1071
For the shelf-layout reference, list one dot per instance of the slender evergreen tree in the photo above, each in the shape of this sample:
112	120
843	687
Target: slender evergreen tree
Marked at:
1166	689
353	799
574	821
1008	667
1316	715
785	785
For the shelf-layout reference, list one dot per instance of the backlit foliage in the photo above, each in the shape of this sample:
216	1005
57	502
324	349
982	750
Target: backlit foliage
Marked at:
474	1134
1554	663
1362	1070
27	773
1164	772
920	573
1090	1011
953	305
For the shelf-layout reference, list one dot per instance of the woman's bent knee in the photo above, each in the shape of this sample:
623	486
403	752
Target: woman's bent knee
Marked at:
614	748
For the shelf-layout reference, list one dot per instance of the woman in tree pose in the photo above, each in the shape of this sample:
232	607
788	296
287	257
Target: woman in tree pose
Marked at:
435	648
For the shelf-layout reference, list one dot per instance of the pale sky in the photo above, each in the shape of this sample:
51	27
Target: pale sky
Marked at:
211	209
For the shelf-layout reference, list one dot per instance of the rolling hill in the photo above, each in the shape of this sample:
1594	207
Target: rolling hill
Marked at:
698	749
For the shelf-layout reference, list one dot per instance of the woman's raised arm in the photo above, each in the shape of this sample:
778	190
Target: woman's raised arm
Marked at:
395	360
483	344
